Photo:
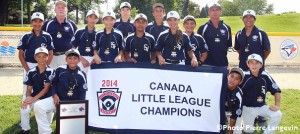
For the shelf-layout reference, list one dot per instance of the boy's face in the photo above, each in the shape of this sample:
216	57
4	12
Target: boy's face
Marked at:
140	25
109	22
158	13
37	24
125	12
249	21
234	79
72	61
173	23
41	58
254	65
92	20
189	26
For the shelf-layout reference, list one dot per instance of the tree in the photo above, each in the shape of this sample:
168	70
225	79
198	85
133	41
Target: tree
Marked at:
185	7
229	9
204	11
269	9
194	9
3	12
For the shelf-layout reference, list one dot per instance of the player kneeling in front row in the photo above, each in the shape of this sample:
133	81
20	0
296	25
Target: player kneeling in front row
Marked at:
233	105
68	84
38	81
255	86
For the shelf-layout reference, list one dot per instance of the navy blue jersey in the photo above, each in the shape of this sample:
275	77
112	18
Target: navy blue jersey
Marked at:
255	88
37	80
171	50
61	33
234	102
257	42
199	46
125	27
29	42
155	30
67	80
108	45
140	48
83	40
218	41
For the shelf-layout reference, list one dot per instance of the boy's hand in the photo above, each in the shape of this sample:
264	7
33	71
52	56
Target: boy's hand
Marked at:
161	61
194	62
274	108
24	105
56	99
84	62
97	59
118	59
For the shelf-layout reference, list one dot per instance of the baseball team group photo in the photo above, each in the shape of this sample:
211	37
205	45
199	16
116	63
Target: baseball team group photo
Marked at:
147	67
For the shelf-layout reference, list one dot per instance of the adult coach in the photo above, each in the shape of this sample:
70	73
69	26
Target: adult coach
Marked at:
251	40
217	36
61	30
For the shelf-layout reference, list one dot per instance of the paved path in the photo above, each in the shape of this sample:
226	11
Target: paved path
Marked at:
11	79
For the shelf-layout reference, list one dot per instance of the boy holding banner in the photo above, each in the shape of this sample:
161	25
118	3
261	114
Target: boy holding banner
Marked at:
83	40
233	104
172	43
140	45
108	45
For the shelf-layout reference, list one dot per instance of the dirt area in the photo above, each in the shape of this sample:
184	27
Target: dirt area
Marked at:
12	77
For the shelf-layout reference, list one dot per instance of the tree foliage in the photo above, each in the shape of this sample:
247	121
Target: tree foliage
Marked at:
237	7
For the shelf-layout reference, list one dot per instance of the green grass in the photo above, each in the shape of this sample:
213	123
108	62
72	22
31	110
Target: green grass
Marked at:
10	113
269	23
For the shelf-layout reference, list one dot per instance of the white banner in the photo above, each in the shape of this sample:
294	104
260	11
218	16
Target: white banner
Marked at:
154	99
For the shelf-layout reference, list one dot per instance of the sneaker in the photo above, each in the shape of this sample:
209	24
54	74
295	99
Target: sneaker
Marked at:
25	132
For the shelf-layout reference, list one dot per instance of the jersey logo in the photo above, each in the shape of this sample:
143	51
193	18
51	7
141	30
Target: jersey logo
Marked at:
222	31
108	101
113	45
194	47
67	29
146	47
179	45
254	37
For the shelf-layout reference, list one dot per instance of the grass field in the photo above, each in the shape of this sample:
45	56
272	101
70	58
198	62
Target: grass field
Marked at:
269	23
10	113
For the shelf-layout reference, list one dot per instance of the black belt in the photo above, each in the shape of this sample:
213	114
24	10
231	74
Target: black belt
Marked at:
58	53
173	61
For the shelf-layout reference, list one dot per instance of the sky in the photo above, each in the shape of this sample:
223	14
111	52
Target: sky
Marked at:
280	6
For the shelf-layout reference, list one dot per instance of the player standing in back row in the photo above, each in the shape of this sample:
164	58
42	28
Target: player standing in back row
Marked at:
140	45
124	24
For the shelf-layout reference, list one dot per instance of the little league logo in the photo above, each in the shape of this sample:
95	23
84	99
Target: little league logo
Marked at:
108	101
288	49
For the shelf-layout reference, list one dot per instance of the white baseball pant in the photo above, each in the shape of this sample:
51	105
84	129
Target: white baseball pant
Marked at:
41	108
250	113
85	69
